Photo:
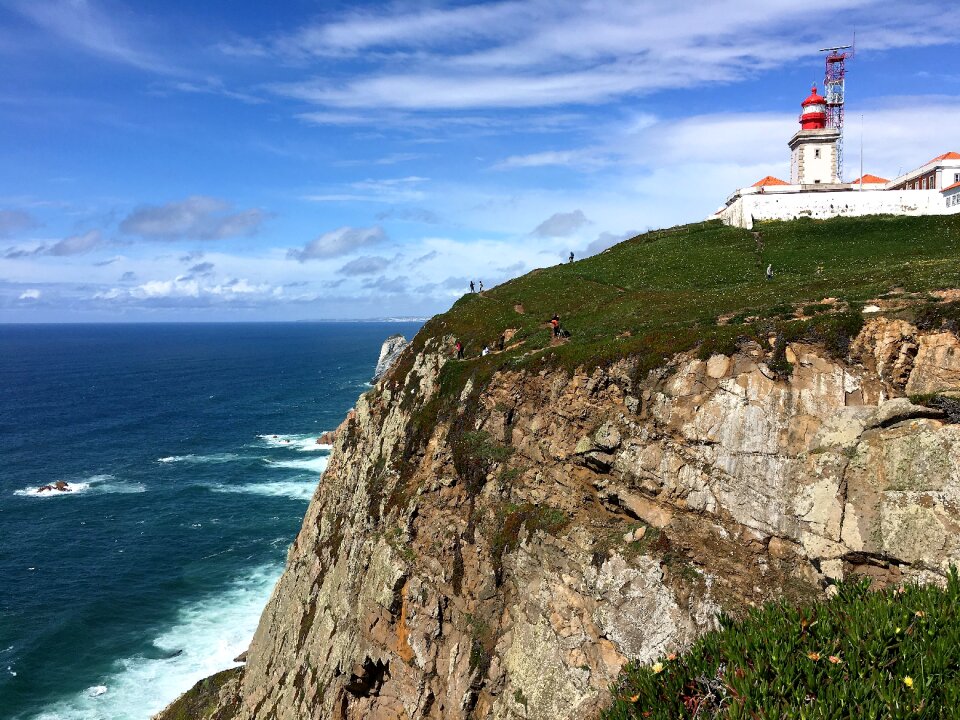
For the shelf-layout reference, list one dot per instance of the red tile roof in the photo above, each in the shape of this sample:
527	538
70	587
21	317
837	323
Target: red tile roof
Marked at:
952	187
946	156
769	180
868	178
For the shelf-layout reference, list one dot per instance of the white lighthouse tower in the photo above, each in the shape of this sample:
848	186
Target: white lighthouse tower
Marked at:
813	150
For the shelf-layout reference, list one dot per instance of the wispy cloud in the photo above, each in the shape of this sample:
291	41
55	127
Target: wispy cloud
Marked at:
72	245
389	190
210	86
542	54
108	32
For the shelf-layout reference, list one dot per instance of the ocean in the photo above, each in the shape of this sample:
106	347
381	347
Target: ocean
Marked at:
191	452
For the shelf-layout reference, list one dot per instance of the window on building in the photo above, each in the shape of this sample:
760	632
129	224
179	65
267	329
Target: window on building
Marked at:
956	177
816	152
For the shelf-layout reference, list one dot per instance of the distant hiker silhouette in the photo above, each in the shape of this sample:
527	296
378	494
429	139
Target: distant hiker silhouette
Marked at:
459	349
571	256
770	271
471	287
555	324
481	286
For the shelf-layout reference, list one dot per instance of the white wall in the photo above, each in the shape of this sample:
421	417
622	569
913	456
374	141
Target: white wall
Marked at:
818	168
821	205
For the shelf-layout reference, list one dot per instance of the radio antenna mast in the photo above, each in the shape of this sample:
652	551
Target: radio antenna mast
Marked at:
834	91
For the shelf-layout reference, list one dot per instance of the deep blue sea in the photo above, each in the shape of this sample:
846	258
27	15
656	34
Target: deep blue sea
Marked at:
192	453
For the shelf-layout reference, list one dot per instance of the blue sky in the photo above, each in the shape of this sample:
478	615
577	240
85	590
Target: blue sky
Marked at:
232	160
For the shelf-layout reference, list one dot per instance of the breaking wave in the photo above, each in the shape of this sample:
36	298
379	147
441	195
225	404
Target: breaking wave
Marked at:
317	465
95	484
205	637
201	459
302	443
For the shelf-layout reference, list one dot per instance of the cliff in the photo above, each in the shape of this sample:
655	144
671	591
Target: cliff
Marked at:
389	352
496	537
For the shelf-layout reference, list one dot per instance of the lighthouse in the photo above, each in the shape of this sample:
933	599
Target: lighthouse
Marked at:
813	149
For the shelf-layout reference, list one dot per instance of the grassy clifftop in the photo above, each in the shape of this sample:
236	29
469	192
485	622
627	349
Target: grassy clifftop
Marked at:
704	285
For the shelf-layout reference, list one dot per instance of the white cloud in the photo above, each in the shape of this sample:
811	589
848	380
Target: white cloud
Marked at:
338	242
365	265
197	217
561	224
31	294
14	221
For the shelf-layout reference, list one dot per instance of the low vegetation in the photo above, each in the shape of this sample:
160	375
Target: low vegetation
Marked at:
703	285
862	654
201	700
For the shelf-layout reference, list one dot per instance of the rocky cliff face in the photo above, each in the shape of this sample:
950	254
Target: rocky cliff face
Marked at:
505	559
389	352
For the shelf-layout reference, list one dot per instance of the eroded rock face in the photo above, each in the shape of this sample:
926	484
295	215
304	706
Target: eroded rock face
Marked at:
615	520
389	352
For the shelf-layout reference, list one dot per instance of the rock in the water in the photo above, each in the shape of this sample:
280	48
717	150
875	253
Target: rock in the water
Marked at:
58	486
326	438
389	352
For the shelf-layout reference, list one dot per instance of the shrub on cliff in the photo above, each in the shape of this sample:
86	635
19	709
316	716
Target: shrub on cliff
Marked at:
862	654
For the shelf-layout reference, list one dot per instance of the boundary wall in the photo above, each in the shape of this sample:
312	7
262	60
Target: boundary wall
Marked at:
791	203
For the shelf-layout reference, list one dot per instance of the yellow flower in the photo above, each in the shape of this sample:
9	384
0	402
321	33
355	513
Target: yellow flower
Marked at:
908	681
657	668
814	656
897	630
672	656
919	613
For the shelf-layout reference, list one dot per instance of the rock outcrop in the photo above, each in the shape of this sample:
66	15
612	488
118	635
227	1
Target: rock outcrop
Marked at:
502	556
389	352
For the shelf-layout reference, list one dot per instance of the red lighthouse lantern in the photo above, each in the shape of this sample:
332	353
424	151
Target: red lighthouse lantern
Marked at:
814	113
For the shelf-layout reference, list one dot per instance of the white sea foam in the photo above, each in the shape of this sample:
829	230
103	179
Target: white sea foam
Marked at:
201	459
302	443
210	632
93	484
298	490
317	465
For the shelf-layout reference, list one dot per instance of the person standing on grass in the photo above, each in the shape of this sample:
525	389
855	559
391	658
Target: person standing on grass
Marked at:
471	287
770	271
555	324
481	285
459	349
571	256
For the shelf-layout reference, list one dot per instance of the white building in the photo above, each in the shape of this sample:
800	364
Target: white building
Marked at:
816	191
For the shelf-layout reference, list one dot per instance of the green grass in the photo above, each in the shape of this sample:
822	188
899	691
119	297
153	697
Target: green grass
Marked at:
863	654
663	292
